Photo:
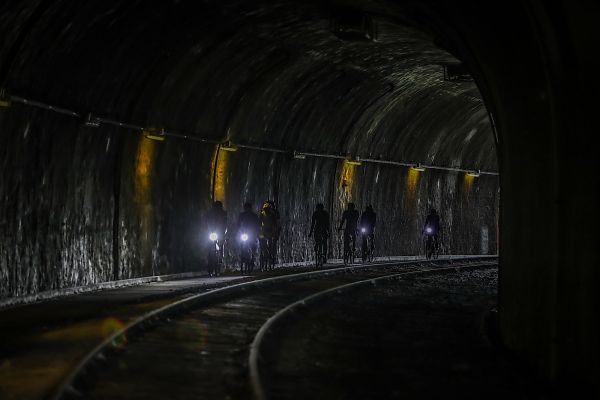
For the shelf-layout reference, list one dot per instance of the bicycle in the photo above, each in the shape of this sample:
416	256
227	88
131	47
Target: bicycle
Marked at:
246	254
367	245
349	250
266	252
215	257
320	249
431	244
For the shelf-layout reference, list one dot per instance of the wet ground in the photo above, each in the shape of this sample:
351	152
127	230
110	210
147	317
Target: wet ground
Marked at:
420	338
41	342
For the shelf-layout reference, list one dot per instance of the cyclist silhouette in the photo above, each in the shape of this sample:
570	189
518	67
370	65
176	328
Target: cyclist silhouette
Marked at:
216	223
248	230
269	230
368	219
350	218
431	229
320	227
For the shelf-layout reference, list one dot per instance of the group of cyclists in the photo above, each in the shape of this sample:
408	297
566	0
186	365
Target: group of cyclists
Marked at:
261	232
350	224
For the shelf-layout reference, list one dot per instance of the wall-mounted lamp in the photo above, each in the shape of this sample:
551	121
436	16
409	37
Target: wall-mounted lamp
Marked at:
4	99
153	134
418	167
91	121
299	156
353	161
474	174
228	146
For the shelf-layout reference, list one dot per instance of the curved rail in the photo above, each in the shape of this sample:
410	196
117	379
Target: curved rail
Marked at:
68	386
255	347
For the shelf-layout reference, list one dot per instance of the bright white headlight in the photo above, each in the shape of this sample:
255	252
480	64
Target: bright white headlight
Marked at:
363	230
244	237
428	230
213	237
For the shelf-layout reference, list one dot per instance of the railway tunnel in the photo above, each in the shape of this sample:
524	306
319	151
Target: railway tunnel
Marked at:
121	122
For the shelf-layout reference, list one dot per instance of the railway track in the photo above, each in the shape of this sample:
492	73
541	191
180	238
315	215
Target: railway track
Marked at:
208	345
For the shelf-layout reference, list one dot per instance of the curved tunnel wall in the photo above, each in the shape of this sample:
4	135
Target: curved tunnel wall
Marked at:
84	205
93	204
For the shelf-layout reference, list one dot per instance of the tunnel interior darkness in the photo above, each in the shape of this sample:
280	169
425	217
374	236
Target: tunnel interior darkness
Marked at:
273	76
354	79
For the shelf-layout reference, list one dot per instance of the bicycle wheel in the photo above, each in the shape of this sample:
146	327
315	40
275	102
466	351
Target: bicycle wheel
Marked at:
436	249
272	253
428	247
218	265
246	259
319	253
211	261
317	259
345	248
262	254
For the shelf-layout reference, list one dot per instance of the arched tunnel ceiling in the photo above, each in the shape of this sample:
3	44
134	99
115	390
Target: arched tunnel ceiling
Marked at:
273	73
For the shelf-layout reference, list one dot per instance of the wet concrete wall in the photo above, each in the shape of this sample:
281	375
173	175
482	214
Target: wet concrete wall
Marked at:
83	205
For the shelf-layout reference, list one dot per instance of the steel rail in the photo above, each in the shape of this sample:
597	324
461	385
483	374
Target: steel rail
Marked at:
153	317
259	338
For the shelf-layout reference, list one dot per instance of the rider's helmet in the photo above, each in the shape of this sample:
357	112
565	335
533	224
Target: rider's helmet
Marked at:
432	211
218	205
350	206
272	203
247	206
369	208
320	206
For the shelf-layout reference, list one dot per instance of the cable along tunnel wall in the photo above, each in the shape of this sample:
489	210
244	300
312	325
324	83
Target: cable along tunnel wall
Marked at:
83	205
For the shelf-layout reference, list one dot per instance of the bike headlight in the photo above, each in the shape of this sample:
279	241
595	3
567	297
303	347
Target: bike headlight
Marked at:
244	237
428	230
213	237
363	230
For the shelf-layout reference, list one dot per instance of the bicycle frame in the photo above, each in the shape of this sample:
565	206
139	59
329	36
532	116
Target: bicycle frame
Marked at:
246	253
367	245
320	249
266	255
431	244
349	241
